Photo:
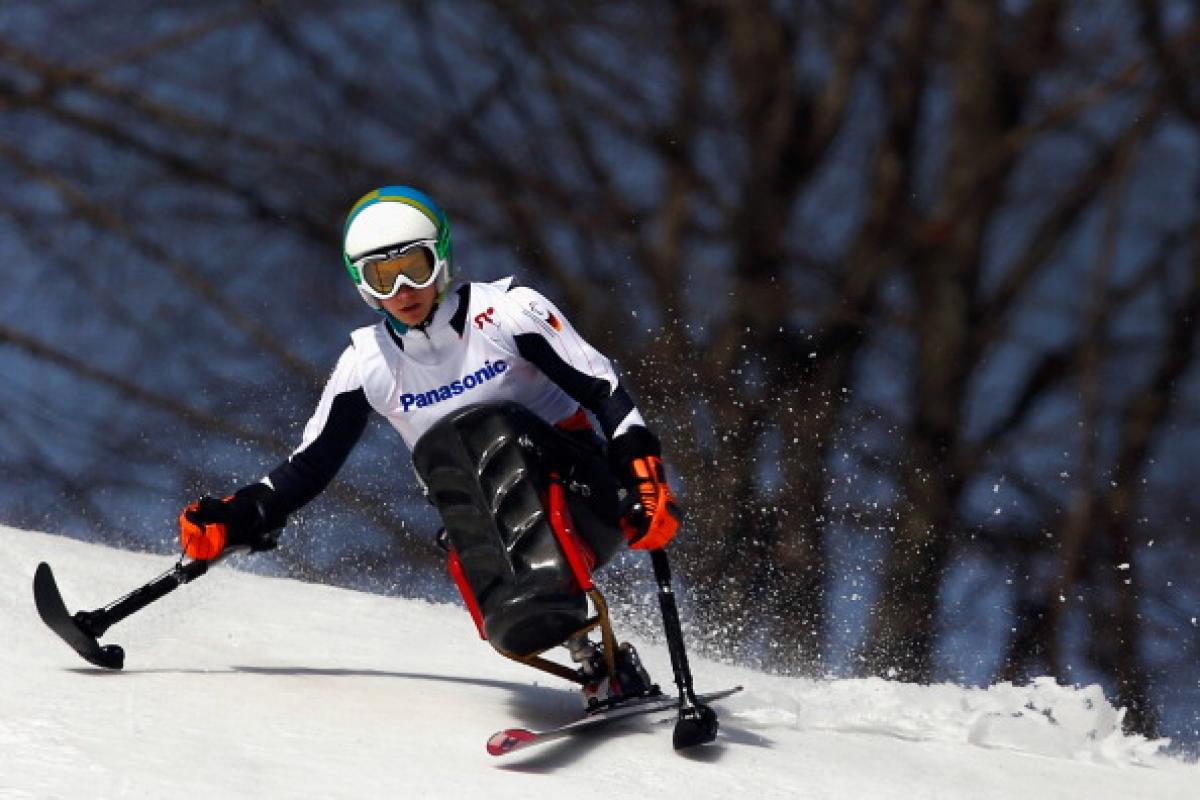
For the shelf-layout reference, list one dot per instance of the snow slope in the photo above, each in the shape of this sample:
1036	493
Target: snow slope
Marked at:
244	686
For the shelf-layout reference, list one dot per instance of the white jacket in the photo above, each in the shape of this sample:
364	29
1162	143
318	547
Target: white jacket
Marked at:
487	343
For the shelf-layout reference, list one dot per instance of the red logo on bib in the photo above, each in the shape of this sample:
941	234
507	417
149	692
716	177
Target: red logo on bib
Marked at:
485	316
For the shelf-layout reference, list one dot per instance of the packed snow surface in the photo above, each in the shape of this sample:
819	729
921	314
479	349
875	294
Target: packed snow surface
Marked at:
242	686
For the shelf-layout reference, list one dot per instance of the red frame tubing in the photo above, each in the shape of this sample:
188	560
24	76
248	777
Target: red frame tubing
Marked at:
460	580
579	556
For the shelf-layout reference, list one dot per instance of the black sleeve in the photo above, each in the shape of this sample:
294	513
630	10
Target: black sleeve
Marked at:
610	406
310	469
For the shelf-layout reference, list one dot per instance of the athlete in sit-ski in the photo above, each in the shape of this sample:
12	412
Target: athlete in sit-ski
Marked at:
488	385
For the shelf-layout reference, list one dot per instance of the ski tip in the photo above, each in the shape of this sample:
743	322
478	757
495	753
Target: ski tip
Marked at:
43	573
510	739
45	592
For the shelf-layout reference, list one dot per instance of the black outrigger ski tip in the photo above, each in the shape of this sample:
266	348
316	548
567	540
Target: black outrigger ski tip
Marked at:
71	629
696	725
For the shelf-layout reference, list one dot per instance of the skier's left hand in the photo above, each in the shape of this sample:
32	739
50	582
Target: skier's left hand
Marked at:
650	514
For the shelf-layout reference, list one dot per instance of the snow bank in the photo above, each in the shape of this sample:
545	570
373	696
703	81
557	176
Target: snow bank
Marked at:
1043	718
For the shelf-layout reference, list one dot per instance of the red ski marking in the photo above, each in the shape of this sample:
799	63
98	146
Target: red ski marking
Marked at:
508	740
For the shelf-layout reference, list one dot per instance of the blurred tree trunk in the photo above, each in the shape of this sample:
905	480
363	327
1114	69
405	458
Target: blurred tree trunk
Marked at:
1119	634
1037	645
945	272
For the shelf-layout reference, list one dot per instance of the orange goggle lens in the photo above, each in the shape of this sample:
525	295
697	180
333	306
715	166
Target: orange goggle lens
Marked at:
384	273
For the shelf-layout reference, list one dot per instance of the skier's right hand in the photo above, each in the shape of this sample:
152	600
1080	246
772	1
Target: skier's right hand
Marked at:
246	518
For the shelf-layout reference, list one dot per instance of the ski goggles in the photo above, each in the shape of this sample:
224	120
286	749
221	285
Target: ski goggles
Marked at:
415	265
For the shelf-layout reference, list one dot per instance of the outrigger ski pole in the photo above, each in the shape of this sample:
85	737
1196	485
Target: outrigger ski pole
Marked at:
697	723
82	629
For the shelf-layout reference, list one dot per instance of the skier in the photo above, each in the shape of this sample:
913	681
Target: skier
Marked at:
488	385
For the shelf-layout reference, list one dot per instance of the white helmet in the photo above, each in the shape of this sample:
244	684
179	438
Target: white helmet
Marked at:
391	217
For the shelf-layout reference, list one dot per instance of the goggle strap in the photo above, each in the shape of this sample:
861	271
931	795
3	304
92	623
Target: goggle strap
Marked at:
395	251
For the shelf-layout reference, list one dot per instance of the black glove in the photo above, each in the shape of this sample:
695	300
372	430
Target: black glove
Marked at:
248	518
650	515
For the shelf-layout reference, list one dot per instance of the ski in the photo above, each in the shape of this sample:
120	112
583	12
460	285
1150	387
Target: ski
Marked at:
512	739
54	613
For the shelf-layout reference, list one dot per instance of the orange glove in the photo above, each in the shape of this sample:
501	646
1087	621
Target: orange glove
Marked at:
650	514
201	540
246	518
